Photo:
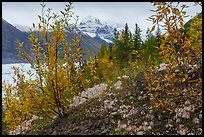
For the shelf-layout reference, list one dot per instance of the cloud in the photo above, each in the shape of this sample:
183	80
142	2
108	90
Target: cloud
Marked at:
25	13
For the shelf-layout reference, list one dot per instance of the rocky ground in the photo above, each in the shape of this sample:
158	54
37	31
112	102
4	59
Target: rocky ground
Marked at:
122	109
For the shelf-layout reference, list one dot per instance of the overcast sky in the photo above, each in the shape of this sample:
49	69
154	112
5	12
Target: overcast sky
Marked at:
25	13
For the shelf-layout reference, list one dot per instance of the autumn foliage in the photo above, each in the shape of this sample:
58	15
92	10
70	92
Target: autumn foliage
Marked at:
62	73
181	50
58	66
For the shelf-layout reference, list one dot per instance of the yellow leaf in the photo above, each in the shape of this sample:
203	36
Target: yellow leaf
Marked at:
184	12
187	51
157	86
176	11
175	40
153	28
183	80
171	111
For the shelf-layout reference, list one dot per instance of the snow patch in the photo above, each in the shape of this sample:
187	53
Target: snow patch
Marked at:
107	40
90	34
22	27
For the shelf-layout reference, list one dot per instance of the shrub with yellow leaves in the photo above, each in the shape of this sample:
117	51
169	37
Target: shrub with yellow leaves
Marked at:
59	73
91	74
180	49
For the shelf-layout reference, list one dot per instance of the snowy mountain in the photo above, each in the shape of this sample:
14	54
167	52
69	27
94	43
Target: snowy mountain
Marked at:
3	20
94	27
91	26
22	28
11	35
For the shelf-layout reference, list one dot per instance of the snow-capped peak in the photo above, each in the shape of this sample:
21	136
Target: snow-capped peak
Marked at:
104	29
114	24
91	19
90	24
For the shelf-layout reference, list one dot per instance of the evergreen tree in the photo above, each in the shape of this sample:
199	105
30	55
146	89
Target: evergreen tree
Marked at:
126	34
115	32
148	34
110	49
137	38
150	49
121	45
158	36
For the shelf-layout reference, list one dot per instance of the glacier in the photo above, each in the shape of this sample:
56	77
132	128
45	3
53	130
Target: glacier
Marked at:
8	73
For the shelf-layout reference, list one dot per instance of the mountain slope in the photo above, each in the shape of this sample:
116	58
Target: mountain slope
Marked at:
10	36
187	24
22	28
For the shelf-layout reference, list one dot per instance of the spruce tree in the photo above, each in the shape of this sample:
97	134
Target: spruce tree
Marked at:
137	37
126	33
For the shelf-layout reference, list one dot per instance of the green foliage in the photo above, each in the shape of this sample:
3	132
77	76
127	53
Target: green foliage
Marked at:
147	52
137	38
102	50
123	47
151	47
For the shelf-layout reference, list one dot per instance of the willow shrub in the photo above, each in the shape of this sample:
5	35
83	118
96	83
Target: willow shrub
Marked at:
58	64
179	47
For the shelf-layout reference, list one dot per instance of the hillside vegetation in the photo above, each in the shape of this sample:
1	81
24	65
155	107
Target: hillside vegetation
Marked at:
149	87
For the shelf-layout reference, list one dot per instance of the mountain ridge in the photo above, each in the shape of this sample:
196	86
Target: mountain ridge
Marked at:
10	36
91	26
